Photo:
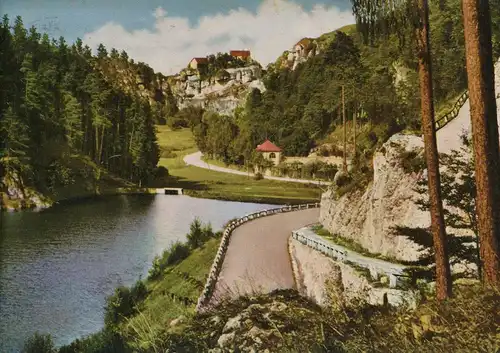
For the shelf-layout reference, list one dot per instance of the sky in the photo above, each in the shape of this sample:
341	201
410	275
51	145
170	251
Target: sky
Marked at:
166	34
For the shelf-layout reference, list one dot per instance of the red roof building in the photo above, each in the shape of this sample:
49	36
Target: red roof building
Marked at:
242	54
200	60
268	146
196	62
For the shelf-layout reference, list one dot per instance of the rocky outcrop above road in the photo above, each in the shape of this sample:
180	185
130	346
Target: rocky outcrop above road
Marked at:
368	216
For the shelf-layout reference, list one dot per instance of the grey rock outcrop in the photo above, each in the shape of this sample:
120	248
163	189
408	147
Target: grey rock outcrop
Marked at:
221	96
368	217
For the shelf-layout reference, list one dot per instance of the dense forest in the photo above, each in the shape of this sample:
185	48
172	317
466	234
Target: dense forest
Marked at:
62	120
303	106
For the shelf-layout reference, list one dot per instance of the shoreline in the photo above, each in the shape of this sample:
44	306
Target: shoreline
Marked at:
205	194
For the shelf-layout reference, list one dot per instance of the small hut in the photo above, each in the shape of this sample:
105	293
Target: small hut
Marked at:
270	152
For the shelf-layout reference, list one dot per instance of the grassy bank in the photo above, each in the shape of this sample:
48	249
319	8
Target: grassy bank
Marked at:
206	183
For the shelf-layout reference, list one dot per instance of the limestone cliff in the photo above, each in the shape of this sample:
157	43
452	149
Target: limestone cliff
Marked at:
368	216
221	94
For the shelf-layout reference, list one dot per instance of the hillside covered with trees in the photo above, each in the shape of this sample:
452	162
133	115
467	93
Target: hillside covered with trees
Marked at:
301	108
64	123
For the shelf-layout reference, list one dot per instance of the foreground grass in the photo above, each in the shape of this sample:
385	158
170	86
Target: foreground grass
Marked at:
186	280
283	321
205	183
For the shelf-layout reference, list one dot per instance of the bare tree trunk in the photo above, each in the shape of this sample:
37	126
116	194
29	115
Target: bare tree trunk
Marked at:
344	163
96	153
354	130
438	228
483	111
102	144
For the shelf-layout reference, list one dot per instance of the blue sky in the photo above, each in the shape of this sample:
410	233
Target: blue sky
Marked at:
166	33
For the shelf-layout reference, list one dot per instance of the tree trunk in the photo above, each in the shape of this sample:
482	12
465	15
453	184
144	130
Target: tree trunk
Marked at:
438	228
344	163
354	131
96	154
480	74
102	144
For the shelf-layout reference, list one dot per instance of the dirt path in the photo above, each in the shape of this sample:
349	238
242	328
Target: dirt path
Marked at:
194	159
257	258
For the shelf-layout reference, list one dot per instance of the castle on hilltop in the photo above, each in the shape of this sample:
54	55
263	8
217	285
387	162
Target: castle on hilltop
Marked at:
199	62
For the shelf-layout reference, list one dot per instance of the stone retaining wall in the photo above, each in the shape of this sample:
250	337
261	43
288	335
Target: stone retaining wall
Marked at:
226	235
321	268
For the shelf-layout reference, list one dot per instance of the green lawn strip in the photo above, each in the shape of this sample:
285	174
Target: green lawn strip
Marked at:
201	182
218	163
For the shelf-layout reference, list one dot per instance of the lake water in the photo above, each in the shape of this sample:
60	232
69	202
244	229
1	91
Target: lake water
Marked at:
58	266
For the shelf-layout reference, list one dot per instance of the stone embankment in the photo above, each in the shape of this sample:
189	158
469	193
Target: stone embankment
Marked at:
322	268
213	277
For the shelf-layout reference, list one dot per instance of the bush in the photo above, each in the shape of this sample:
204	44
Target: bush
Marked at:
258	176
167	152
199	234
123	303
178	252
323	151
177	122
161	172
171	256
39	343
412	162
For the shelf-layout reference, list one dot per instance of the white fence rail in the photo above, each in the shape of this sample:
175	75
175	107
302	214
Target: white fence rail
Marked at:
376	266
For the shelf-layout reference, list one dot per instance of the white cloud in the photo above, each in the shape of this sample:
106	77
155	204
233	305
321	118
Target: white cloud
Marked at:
275	27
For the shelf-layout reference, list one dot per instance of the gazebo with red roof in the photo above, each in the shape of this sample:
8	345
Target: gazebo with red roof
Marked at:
270	151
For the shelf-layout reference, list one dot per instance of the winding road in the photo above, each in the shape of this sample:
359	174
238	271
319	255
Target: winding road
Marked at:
194	159
257	259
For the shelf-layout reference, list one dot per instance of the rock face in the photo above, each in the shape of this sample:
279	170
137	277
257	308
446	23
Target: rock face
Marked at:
368	216
221	96
13	196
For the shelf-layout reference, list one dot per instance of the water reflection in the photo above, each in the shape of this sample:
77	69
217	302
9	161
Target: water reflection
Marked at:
57	266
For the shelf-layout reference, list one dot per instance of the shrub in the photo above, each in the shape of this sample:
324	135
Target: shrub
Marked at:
323	151
199	234
258	176
167	152
161	172
343	179
173	255
123	303
412	162
177	252
39	343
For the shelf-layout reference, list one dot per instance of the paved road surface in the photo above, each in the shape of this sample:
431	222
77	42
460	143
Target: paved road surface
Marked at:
448	138
194	159
257	258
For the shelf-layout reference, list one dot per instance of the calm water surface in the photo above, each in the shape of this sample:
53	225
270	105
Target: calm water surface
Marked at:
57	266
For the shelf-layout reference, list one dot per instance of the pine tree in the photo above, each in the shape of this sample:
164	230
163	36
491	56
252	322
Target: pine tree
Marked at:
483	111
381	18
